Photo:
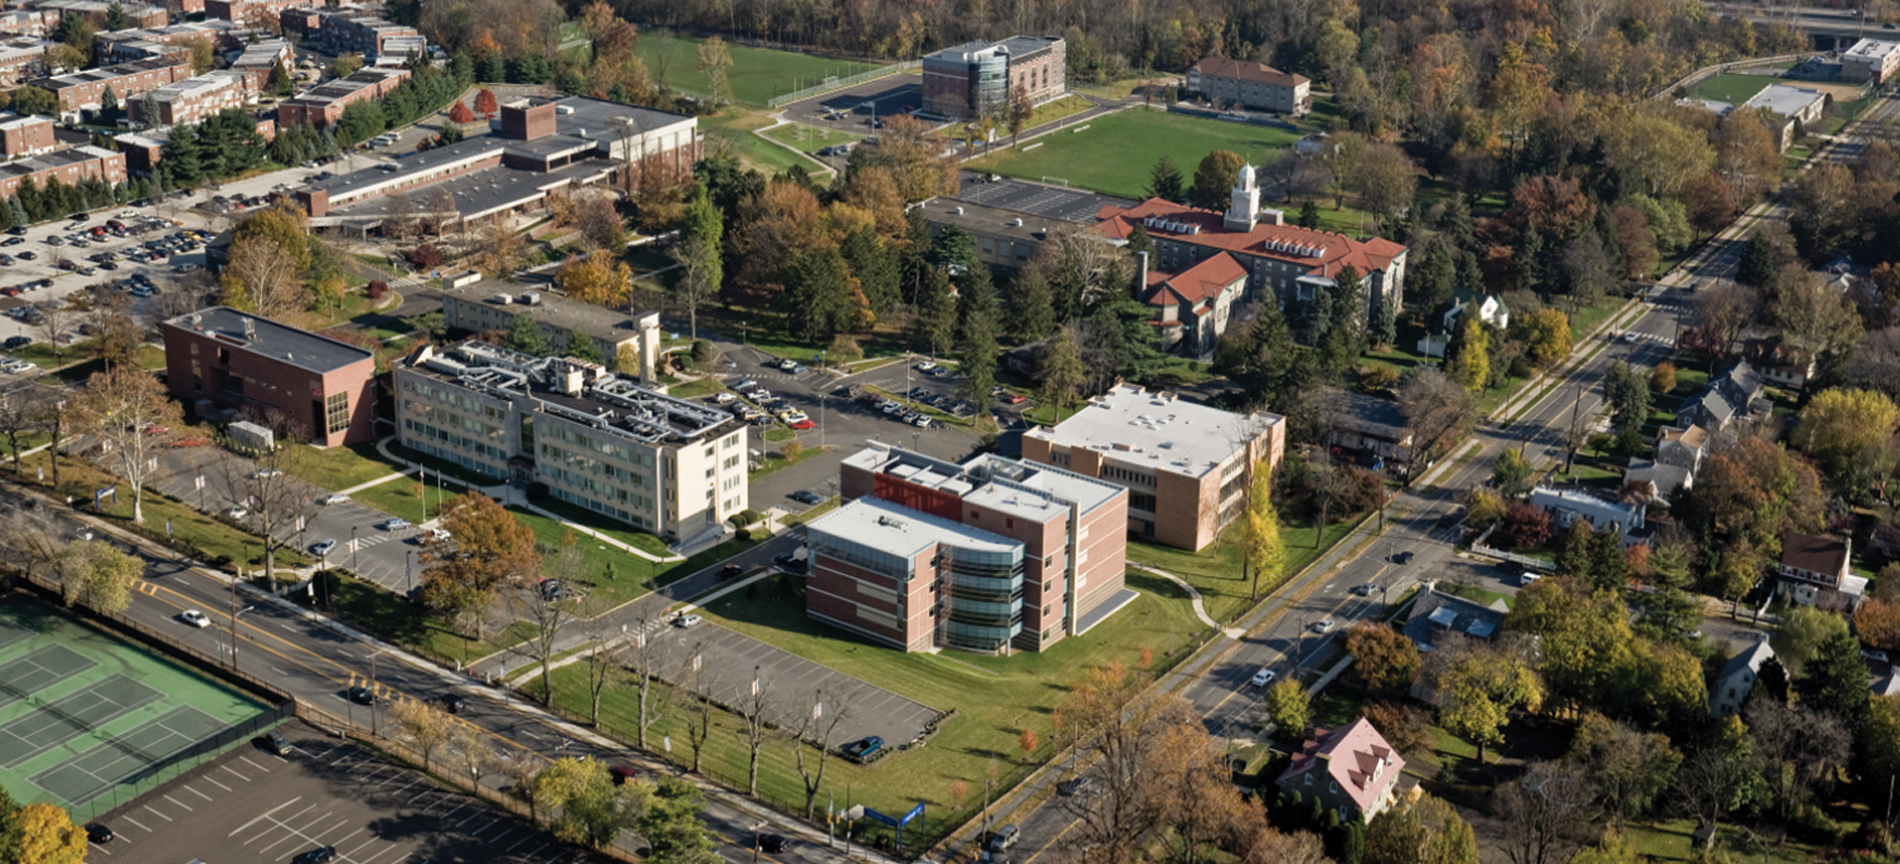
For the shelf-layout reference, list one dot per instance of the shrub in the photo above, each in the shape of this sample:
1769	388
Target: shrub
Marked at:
844	349
1379	378
378	290
705	354
425	256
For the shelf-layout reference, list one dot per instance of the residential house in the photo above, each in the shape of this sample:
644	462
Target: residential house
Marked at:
1777	363
1371	428
1605	510
1732	685
1436	613
1251	85
1816	568
1491	311
1191	308
1682	447
1351	770
1659	480
1727	399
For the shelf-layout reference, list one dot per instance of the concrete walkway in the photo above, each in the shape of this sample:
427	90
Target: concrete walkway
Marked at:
377	482
1194	596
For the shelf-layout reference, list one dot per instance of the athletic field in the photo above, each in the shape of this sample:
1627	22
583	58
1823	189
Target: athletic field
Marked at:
87	720
757	74
1114	154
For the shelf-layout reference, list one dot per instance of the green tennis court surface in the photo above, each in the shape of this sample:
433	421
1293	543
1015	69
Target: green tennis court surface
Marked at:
87	717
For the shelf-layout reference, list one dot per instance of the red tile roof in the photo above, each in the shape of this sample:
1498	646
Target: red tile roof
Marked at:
1246	70
1350	756
1207	228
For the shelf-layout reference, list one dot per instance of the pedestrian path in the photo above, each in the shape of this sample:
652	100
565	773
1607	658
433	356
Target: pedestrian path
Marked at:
378	481
1194	596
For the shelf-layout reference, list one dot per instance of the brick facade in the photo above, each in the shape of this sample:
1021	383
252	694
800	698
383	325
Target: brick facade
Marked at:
24	136
83	90
68	166
194	99
212	361
976	78
1251	85
255	14
323	105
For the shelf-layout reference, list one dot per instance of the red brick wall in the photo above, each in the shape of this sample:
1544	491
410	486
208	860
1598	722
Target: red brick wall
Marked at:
28	138
111	170
935	502
268	384
833	593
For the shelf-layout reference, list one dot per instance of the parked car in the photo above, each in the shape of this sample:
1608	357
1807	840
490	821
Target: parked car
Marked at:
863	748
452	703
322	547
333	498
684	621
98	833
1002	838
771	843
806	496
1074	787
394	523
792	564
274	742
319	855
730	571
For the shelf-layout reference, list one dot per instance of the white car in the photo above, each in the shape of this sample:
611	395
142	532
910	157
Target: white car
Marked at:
237	513
195	618
322	547
724	396
1324	625
684	621
1262	678
268	473
1629	336
439	534
394	523
333	498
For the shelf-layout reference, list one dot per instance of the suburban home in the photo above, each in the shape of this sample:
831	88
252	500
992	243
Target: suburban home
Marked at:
1812	567
1659	480
1436	613
1191	308
1604	509
1777	363
1728	398
1372	428
1737	678
1491	311
1683	448
1351	769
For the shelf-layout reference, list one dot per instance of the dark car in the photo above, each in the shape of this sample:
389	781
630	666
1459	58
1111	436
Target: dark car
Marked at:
319	855
17	342
863	748
452	704
362	695
1402	558
29	255
274	742
17	232
97	832
79	217
771	843
730	571
792	564
806	496
1077	786
622	773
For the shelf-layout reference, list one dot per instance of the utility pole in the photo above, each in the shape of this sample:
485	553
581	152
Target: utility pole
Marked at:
234	630
375	698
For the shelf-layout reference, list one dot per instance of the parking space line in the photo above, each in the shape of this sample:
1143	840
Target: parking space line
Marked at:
264	815
503	835
530	853
518	843
472	817
235	774
158	814
179	803
136	823
458	809
195	792
275	824
215	783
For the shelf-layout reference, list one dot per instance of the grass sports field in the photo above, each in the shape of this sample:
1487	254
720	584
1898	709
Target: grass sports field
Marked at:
1732	87
1114	154
87	720
757	74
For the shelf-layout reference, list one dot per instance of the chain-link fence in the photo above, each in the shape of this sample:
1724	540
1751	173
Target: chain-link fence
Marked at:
834	84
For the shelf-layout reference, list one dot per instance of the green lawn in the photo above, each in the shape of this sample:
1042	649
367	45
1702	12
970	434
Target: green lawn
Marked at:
382	613
1217	571
756	74
696	389
774	462
1847	112
994	699
338	468
810	139
398	497
733	129
1731	87
1115	153
1478	595
1045	113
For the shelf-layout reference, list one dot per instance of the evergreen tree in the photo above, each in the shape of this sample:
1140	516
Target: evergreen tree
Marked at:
1165	180
954	247
115	17
1139	241
1309	215
817	300
1629	397
874	264
1317	317
1032	313
1527	262
976	334
1757	266
524	335
583	347
1433	280
1063	377
280	81
182	157
108	107
493	70
1345	335
936	312
16	213
1834	682
1577	555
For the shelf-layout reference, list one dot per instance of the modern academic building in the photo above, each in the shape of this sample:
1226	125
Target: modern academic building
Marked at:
595	439
223	359
991	555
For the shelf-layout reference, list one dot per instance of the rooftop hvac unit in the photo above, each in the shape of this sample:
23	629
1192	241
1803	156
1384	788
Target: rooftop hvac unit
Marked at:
504	299
1016	223
956	211
531	298
563	109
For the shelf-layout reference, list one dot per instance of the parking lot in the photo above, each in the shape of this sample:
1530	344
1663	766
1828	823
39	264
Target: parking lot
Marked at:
257	806
847	110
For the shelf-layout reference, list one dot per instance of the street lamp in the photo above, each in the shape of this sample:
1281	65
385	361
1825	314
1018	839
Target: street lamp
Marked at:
353	549
756	828
409	569
851	817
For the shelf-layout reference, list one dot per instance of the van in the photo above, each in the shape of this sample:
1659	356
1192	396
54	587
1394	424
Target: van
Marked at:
1002	839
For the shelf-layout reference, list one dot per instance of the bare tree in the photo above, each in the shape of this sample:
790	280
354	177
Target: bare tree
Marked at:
426	725
699	722
603	659
1799	748
20	408
267	277
57	317
399	216
547	605
816	729
642	657
438	210
1326	484
1547	815
32	541
598	221
265	483
521	767
1577	430
127	410
471	751
752	701
1440	411
1710	782
1722	310
54	417
631	132
1107	719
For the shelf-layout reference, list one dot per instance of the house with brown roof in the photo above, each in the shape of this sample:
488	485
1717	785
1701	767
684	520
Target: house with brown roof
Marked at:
1683	448
1250	85
1813	567
1351	769
1290	264
1191	308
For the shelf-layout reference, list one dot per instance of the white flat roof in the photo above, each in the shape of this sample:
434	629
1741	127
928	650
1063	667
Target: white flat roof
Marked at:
887	527
1169	434
1785	100
1870	50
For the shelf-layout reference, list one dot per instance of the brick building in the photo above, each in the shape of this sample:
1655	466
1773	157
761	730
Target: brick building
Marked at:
1870	60
259	60
990	555
255	14
1286	263
1186	466
976	78
24	136
194	99
340	31
22	22
21	59
221	358
142	150
323	105
120	46
84	90
1251	85
95	11
69	166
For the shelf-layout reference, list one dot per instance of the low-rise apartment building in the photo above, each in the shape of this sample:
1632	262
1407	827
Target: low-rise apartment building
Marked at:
220	358
69	166
194	99
1186	466
1251	85
121	46
1870	60
991	555
137	14
347	29
1606	510
977	78
254	14
487	307
25	136
22	22
321	106
85	90
21	59
259	60
594	439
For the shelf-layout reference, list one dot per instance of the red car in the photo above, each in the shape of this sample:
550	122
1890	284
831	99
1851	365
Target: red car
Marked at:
804	424
1014	399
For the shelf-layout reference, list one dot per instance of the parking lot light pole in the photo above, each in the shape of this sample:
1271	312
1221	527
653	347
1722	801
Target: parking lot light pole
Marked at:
353	549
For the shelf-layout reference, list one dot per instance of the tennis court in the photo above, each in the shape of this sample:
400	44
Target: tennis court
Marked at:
88	719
